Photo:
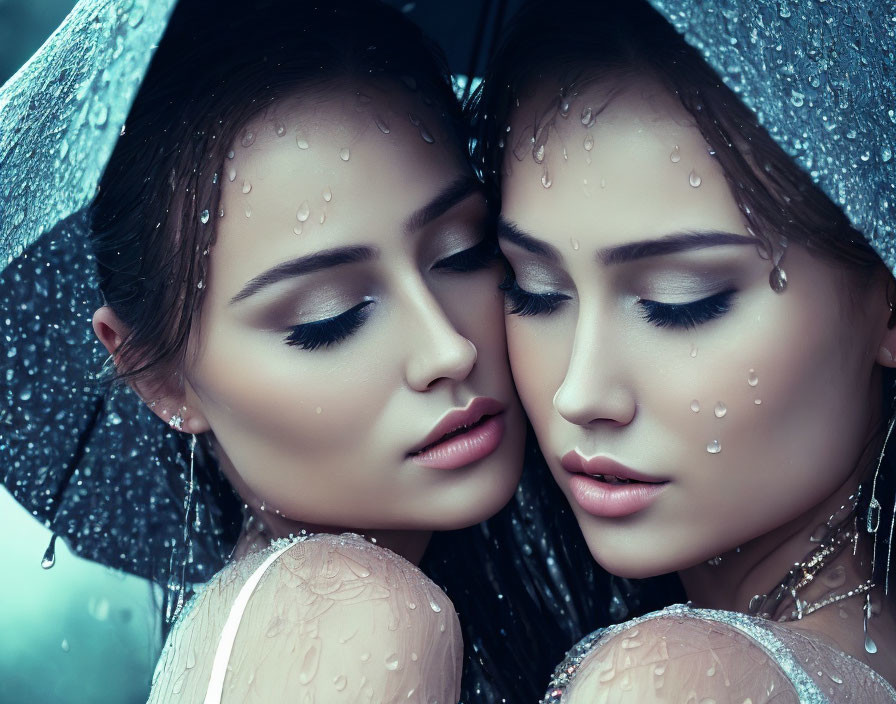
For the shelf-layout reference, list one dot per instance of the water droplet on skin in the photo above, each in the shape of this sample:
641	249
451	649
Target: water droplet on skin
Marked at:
603	183
426	136
720	410
392	661
693	352
435	607
231	175
714	447
280	129
538	153
565	154
777	279
297	229
246	186
574	243
694	179
412	605
221	213
752	377
303	212
318	410
564	107
589	142
757	401
231	154
546	179
204	216
323	218
414	657
442	627
714	561
248	212
383	126
301	142
248	138
344	154
365	657
607	675
340	682
587	117
65	646
328	194
695	406
49	558
675	156
836	577
215	178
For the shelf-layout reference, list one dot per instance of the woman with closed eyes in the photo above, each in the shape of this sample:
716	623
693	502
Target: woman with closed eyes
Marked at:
705	347
299	272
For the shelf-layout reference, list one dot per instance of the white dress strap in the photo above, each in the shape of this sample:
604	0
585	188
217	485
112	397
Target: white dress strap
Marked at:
215	690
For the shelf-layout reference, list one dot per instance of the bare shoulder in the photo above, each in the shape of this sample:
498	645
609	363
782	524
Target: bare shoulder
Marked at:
669	658
334	619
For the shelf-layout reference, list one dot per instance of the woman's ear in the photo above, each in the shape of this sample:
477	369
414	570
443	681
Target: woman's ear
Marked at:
166	396
886	354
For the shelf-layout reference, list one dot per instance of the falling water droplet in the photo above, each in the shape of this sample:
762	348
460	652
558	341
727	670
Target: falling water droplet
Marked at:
589	142
392	661
328	194
675	156
574	243
720	410
538	153
695	406
303	212
587	117
344	154
752	378
231	175
546	179
714	447
383	126
694	179
204	216
246	186
49	558
248	138
301	142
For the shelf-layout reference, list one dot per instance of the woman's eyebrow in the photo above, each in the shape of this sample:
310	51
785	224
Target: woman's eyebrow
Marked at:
305	265
671	244
512	233
458	190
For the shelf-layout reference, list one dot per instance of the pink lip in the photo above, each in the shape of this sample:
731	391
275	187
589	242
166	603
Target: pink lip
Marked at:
446	448
609	500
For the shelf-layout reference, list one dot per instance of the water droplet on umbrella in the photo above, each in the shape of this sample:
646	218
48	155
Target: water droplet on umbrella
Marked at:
65	646
204	216
49	558
752	378
694	179
589	142
695	406
248	138
392	661
328	194
344	154
301	142
587	117
303	212
574	243
675	156
714	447
246	186
381	123
721	410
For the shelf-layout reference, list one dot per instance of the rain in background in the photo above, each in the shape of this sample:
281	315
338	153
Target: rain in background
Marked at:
78	632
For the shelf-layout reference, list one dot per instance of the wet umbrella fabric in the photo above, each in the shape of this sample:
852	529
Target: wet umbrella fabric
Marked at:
97	468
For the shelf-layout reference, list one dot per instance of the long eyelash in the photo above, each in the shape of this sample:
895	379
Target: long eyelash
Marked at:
521	302
323	333
473	259
687	315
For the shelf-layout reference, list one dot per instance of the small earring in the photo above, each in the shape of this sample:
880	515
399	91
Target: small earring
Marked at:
777	278
176	422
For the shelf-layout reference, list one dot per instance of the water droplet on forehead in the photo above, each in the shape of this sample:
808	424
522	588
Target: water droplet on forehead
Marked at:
714	447
694	179
382	125
280	129
587	117
574	243
301	142
248	138
323	218
297	229
204	216
752	377
345	154
695	406
303	212
589	142
693	351
246	186
328	194
231	154
435	607
675	156
248	211
426	135
757	401
231	175
538	153
721	410
546	179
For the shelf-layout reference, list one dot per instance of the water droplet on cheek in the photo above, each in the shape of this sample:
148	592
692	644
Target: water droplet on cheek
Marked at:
328	194
588	117
695	406
297	229
304	211
301	142
231	175
720	410
248	212
675	156
752	378
694	179
538	153
246	186
345	154
340	682
231	154
714	447
382	125
392	661
574	243
589	142
693	351
758	401
318	410
280	129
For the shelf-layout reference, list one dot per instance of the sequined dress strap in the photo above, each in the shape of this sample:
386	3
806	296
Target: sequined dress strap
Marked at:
228	634
805	688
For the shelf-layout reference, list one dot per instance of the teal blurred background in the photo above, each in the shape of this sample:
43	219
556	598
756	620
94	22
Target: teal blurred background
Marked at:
78	633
